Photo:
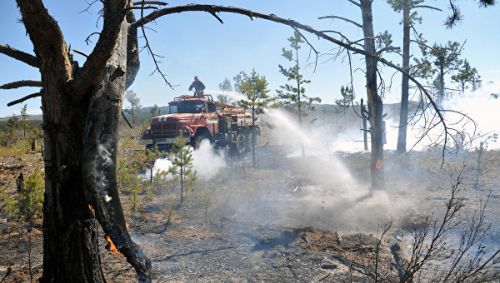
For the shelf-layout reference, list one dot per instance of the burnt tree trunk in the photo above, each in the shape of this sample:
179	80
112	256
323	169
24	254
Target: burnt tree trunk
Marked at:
403	114
80	115
364	114
100	152
375	106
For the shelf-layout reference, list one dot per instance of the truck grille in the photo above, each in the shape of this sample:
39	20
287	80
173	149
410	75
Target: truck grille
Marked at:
164	129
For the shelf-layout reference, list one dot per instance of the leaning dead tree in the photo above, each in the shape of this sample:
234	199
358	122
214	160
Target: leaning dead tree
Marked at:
81	107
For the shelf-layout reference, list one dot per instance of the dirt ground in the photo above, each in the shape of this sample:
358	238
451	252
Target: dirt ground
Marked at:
289	220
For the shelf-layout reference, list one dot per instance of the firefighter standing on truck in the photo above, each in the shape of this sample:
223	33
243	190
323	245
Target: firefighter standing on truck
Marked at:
198	86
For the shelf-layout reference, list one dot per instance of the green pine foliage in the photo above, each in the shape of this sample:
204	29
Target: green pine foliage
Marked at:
182	166
8	133
254	87
135	105
347	99
466	76
128	181
155	110
27	205
291	95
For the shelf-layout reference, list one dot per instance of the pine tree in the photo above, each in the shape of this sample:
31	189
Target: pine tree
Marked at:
445	58
225	85
410	18
291	96
27	206
467	75
135	105
155	110
182	166
257	99
24	119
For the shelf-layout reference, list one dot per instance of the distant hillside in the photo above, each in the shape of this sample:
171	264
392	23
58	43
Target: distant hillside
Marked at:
30	118
323	112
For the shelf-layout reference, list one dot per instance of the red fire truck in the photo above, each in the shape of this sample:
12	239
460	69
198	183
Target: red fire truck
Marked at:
199	117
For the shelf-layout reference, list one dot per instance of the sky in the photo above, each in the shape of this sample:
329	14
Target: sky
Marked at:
195	43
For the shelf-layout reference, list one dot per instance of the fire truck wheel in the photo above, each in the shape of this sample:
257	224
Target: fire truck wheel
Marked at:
249	138
198	139
241	143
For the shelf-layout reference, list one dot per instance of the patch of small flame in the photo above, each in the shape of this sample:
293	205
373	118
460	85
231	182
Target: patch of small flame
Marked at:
110	246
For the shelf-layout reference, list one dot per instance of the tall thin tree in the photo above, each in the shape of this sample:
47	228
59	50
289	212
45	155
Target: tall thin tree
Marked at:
292	95
410	18
257	99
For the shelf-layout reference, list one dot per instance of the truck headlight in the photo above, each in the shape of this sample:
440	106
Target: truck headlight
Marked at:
185	132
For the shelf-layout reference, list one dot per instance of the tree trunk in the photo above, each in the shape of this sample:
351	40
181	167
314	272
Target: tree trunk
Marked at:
375	105
441	83
403	114
71	252
80	117
100	152
182	183
299	105
365	128
253	133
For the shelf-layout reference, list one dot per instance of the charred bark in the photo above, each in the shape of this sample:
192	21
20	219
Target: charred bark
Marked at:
403	114
81	109
375	106
100	151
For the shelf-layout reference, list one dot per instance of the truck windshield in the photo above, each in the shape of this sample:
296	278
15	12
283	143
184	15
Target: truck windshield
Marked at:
187	107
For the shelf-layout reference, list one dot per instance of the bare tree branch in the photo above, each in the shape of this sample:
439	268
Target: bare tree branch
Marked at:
355	3
427	7
114	12
22	99
47	38
90	4
18	84
316	52
81	53
388	49
143	8
19	55
154	55
87	39
159	3
343	19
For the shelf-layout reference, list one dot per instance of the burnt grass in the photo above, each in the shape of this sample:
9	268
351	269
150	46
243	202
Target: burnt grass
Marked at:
274	223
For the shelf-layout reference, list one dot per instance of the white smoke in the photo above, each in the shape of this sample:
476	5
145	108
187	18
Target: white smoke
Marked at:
234	95
161	165
206	162
483	106
315	141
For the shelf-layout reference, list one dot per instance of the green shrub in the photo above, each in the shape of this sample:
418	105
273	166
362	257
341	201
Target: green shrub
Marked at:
27	205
